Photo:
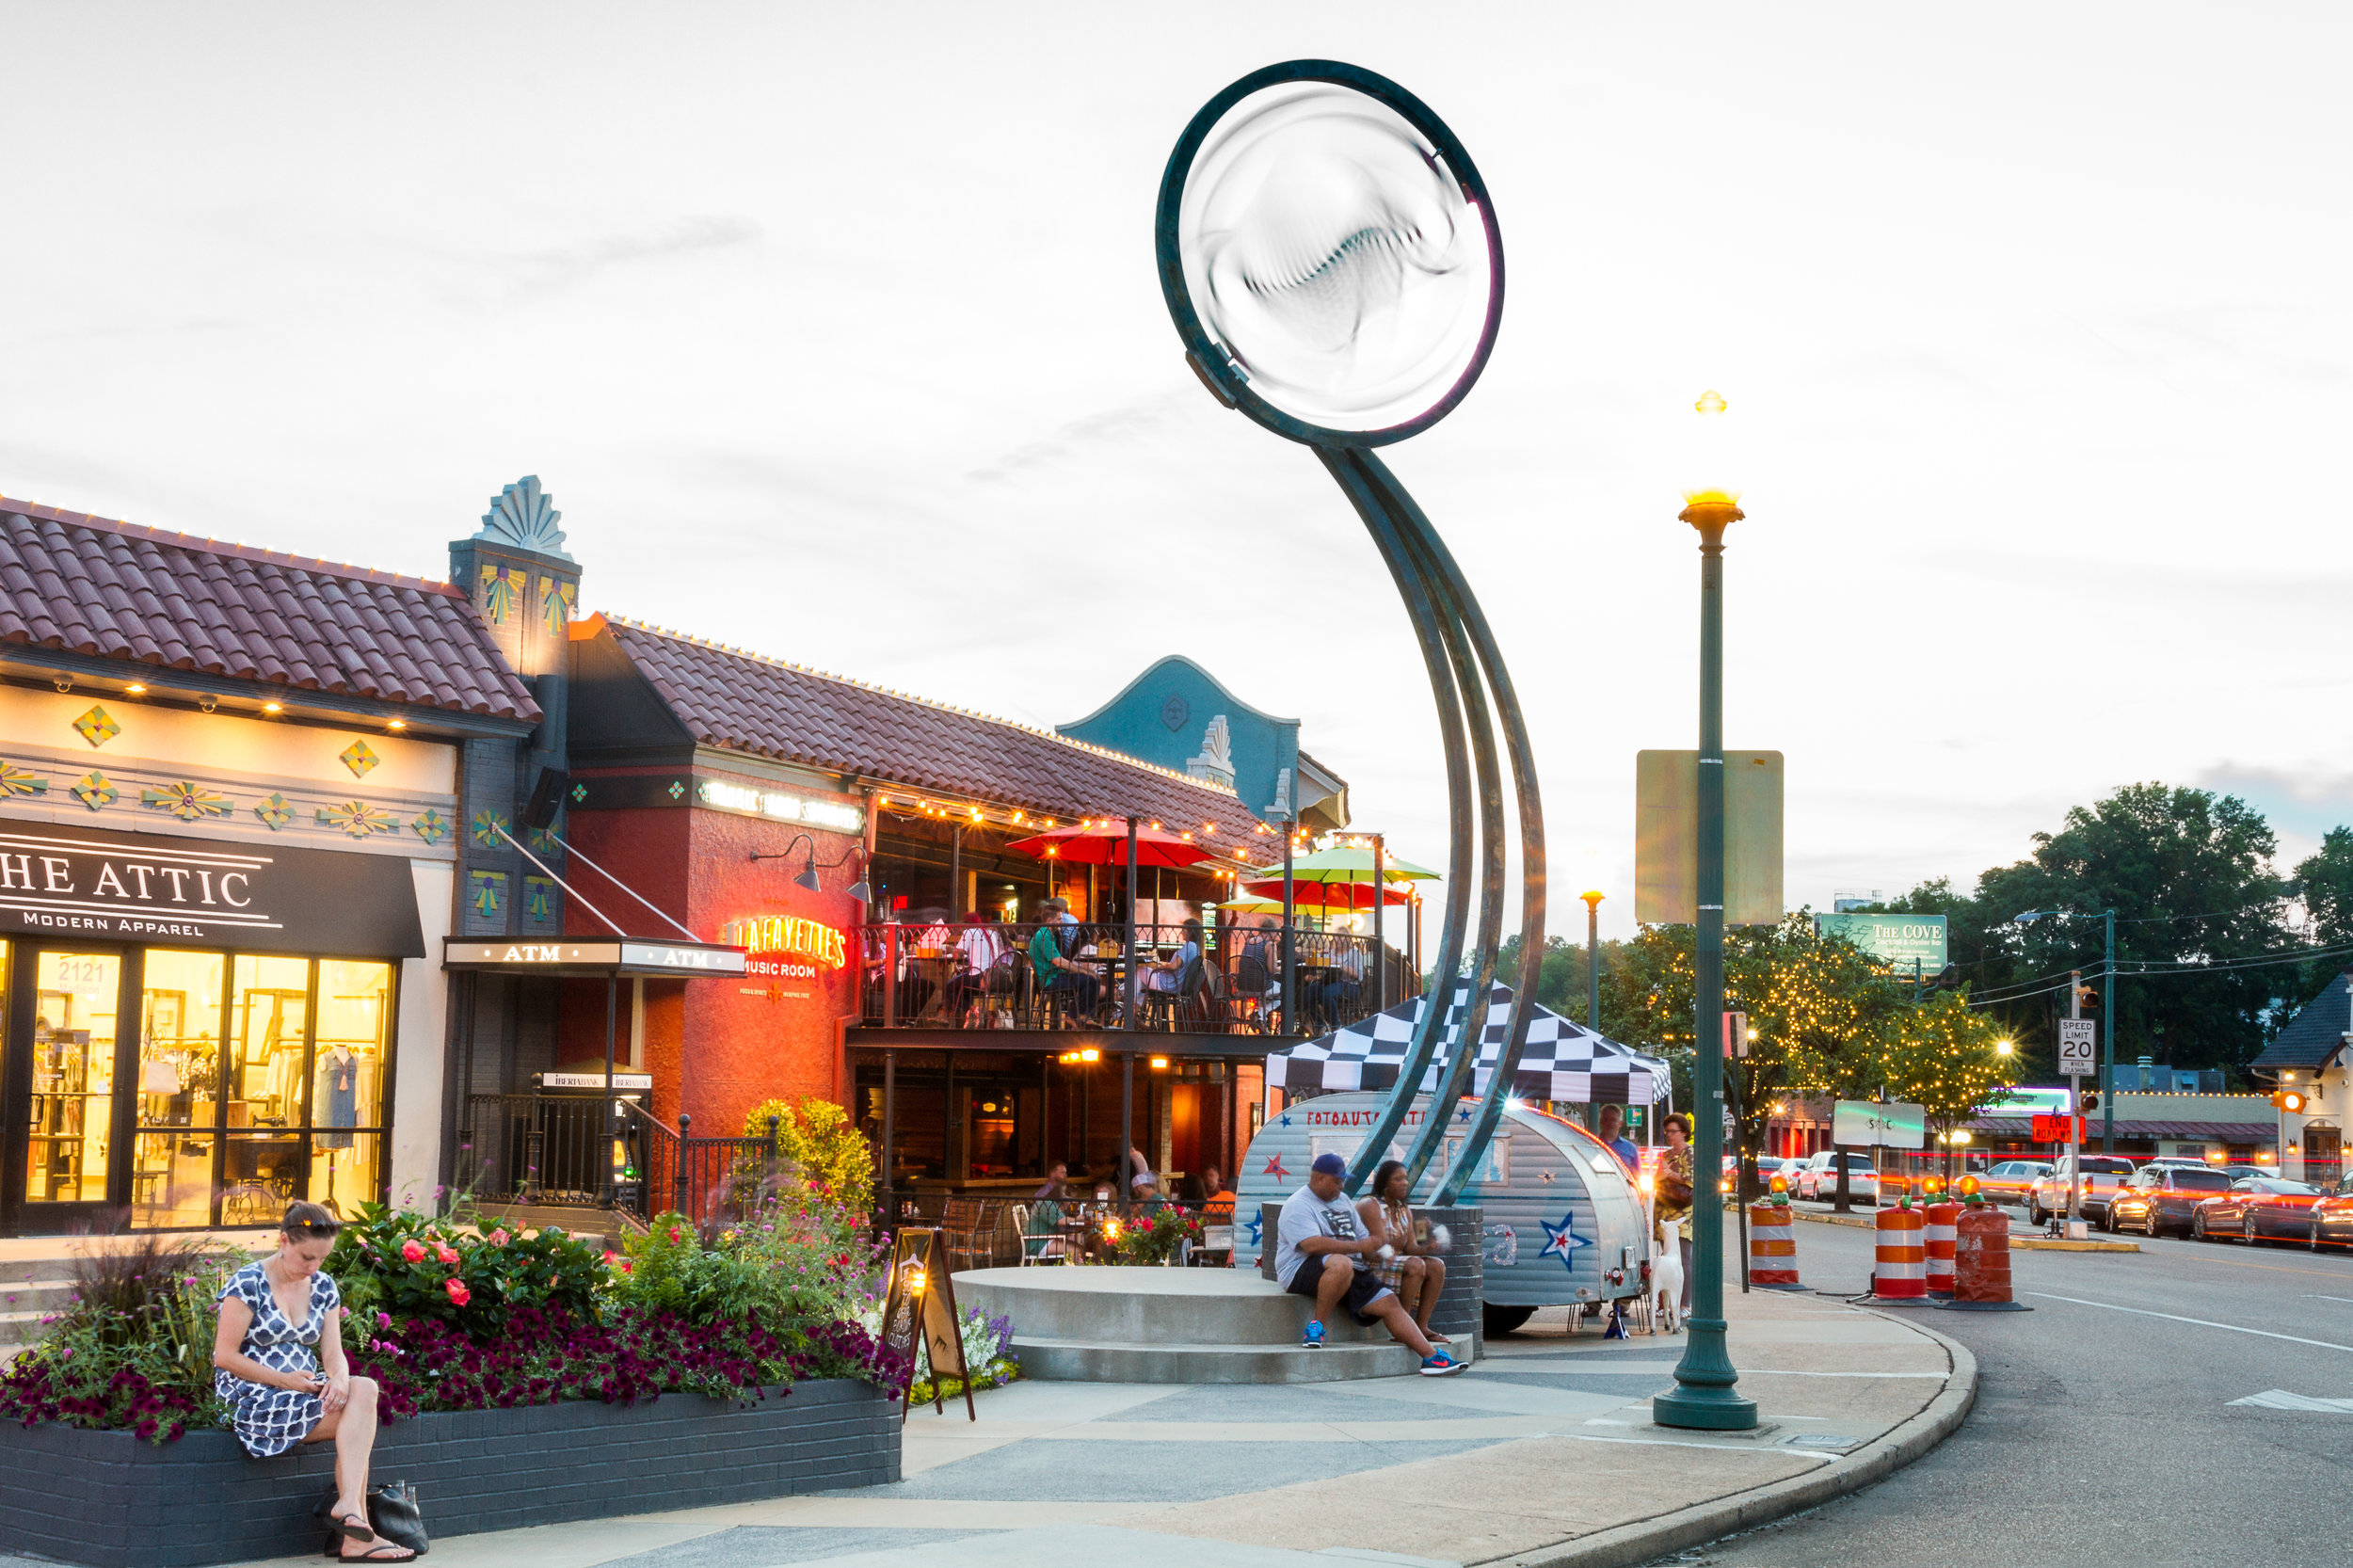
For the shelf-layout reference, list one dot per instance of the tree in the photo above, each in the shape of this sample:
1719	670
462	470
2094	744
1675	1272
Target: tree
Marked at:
1941	1057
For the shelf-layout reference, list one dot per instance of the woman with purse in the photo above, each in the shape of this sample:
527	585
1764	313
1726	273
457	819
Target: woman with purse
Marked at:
279	1392
1675	1193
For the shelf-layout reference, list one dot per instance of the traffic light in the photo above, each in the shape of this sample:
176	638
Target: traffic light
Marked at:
2288	1099
2091	1101
2086	999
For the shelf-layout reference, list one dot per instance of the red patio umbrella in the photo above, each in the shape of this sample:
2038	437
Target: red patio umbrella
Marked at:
1104	843
1332	895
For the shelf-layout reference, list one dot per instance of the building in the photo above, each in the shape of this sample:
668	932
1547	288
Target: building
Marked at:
2308	1058
238	800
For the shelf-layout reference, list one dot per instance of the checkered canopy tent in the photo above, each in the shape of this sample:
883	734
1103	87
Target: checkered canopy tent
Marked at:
1561	1062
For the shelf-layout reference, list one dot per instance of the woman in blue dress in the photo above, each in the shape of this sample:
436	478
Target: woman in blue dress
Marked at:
283	1393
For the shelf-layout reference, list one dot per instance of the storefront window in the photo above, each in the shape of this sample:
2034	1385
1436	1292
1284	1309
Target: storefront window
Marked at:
180	1038
348	1085
74	1068
268	1038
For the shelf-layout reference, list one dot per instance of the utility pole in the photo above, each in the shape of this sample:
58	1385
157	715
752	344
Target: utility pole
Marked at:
2107	1043
2074	1116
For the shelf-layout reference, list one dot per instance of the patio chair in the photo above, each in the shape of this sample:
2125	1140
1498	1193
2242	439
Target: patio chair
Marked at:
966	1226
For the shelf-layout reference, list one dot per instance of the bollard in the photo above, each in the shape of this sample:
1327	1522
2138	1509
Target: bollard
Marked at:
1982	1262
1901	1274
1939	1237
1772	1247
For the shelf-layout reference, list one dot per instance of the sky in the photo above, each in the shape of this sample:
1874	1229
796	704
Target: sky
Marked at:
834	332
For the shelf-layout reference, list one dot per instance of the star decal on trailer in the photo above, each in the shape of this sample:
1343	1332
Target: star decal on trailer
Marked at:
1285	1119
1463	1114
1562	1239
1255	1223
1274	1168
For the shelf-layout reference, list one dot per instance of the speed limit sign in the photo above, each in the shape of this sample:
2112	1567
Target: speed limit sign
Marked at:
2078	1047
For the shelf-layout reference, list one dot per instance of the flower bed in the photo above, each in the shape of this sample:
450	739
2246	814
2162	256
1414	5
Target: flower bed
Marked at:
735	1314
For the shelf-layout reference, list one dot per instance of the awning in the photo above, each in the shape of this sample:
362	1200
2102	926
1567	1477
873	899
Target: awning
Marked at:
623	958
1561	1061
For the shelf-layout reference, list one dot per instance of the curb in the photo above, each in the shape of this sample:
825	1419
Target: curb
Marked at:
2040	1243
1629	1544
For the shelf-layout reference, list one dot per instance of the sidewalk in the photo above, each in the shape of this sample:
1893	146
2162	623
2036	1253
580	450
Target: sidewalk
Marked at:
1542	1454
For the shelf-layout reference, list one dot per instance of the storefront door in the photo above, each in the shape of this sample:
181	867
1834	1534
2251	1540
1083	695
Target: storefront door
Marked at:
64	1007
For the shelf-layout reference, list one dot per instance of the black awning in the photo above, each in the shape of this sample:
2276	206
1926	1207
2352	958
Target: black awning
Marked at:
618	956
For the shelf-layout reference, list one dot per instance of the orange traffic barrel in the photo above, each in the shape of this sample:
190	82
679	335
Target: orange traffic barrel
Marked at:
1939	1237
1772	1247
1900	1272
1982	1262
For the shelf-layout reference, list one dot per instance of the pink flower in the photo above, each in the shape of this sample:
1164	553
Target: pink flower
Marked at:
499	1237
412	1252
383	1319
443	1251
459	1294
610	1257
627	1267
676	1236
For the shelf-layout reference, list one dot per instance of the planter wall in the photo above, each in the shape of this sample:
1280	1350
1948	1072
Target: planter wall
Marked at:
107	1499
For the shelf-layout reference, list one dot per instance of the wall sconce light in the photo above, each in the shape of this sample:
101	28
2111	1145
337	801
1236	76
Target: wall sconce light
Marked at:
207	702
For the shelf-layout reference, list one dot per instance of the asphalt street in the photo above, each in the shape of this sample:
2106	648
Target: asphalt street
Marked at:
2108	1427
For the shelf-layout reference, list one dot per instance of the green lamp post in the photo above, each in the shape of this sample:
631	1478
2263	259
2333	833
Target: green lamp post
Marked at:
1702	1396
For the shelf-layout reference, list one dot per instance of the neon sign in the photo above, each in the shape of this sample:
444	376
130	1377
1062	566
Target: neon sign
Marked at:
783	808
788	935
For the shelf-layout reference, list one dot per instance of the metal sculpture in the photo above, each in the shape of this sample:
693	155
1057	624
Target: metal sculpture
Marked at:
1331	258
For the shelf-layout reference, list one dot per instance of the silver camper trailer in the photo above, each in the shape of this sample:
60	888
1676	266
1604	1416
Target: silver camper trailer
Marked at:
1563	1223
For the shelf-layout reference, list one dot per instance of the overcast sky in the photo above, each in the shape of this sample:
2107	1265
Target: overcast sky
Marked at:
834	332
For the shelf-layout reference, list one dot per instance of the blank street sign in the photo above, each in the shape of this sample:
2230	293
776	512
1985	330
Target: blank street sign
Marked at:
1666	837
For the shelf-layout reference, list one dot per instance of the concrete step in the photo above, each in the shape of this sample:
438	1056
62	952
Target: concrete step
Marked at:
1087	1360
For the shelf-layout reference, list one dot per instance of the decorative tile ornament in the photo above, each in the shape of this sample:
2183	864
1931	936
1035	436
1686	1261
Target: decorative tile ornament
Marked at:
98	726
544	841
580	793
21	781
275	811
677	789
360	757
555	602
433	827
187	802
525	516
539	898
501	588
488	824
94	791
358	818
487	892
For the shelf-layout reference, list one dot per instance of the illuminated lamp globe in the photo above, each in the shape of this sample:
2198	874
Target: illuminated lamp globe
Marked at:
1329	255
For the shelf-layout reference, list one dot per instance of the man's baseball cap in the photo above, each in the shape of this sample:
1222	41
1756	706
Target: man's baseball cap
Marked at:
1329	1164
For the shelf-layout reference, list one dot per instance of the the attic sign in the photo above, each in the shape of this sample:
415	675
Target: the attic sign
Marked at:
722	795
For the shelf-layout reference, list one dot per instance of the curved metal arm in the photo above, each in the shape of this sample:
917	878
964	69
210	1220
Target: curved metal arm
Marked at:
1374	508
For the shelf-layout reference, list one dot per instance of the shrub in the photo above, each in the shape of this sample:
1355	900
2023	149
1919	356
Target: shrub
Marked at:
1154	1237
789	1254
135	1349
833	1157
412	1265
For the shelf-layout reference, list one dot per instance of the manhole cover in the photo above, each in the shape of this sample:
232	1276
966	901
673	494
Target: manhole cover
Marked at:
1822	1440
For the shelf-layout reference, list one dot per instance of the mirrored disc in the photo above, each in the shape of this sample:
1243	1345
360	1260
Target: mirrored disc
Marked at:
1329	248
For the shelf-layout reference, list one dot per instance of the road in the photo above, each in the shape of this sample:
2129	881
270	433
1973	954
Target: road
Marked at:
2104	1432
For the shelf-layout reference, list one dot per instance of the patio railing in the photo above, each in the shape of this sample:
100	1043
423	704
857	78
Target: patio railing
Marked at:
983	976
563	1151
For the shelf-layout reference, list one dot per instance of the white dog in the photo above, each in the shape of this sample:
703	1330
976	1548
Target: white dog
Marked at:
1666	1280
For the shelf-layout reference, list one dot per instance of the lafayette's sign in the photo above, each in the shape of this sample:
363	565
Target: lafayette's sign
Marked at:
79	882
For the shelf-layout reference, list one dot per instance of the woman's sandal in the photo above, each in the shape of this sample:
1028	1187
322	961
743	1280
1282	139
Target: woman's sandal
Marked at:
383	1551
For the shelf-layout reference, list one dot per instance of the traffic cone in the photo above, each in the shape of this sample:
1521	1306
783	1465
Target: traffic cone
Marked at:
1982	1257
1900	1272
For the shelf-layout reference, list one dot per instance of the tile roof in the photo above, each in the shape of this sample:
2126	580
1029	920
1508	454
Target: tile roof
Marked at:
743	702
2316	1033
117	590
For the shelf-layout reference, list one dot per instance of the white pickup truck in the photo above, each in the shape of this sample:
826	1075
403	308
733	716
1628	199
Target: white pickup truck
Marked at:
2103	1176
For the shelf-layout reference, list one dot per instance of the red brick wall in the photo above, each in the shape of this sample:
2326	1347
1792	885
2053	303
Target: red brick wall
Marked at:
717	1048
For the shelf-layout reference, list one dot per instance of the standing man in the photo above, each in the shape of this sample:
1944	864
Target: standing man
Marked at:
1320	1250
1613	1134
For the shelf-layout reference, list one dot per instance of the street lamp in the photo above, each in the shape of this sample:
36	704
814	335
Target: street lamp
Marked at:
1703	1395
1593	959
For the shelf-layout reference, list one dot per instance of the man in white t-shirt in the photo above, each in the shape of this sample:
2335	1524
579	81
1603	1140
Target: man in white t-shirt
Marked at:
1321	1248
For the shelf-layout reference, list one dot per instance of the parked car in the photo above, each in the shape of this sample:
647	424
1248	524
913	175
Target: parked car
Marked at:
2007	1181
1783	1166
1817	1178
2162	1196
2257	1208
2102	1175
2331	1221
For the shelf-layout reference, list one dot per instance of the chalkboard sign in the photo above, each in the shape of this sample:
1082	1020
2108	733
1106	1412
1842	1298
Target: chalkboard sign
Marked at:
921	1302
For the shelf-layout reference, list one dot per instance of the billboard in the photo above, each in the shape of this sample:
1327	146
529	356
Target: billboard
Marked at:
1897	941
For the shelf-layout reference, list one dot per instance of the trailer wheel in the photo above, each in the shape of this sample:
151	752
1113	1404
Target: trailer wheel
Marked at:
1503	1320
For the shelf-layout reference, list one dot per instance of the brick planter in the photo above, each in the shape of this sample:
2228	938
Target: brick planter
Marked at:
107	1499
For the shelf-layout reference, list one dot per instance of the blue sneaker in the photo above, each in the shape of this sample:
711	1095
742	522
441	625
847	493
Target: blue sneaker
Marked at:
1441	1365
1313	1339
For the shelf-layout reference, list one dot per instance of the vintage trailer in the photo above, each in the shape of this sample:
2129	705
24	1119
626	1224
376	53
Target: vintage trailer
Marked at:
1564	1224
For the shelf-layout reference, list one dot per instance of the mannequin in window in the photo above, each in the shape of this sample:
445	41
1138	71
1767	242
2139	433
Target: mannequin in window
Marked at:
339	1072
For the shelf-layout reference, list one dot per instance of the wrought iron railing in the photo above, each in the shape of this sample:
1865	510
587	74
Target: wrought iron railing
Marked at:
567	1151
990	976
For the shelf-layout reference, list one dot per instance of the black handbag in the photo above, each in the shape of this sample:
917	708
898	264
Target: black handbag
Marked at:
392	1511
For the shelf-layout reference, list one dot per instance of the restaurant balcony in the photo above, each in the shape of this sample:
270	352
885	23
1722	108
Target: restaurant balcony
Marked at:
963	980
